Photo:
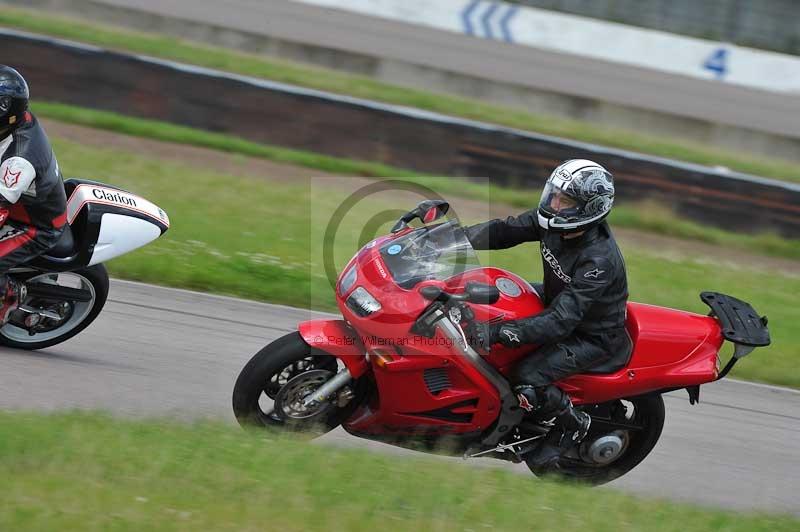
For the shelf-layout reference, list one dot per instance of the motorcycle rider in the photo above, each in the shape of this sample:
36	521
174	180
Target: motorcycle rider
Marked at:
33	204
585	293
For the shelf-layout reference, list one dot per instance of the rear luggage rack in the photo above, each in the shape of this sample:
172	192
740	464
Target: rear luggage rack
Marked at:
740	324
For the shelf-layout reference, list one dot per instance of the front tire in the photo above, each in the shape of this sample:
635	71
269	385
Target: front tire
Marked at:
288	365
77	315
645	412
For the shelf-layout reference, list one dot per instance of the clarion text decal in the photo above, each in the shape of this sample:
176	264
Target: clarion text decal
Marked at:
116	197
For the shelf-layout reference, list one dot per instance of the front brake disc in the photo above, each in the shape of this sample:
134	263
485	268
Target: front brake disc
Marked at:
289	400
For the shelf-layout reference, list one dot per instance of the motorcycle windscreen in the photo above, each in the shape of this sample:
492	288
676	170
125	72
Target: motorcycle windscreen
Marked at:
433	252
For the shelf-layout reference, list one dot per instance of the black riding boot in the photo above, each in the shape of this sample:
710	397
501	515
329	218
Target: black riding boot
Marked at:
571	428
571	425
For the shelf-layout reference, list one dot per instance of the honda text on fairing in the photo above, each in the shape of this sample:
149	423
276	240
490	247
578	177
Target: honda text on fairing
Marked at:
64	290
400	368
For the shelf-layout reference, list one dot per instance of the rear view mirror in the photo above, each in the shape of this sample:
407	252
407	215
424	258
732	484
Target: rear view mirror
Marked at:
427	211
431	210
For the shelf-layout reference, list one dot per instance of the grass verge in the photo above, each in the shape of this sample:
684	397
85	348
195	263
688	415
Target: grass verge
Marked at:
259	66
653	218
90	472
262	239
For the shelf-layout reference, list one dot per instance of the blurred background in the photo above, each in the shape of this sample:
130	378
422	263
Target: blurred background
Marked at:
252	122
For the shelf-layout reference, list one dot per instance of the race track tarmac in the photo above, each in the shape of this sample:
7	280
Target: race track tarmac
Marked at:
164	352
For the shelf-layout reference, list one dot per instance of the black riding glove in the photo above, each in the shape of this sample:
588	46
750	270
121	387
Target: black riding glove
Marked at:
485	334
510	334
482	334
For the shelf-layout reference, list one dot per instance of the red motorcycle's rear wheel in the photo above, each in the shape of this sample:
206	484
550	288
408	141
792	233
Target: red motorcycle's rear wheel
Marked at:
594	461
270	389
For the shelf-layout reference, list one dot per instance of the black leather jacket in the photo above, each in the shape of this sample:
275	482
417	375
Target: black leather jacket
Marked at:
585	284
43	203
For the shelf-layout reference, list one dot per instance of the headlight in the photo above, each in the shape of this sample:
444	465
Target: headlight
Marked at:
362	303
348	280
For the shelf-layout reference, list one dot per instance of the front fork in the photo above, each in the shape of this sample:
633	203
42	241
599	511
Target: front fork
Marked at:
338	339
328	389
510	413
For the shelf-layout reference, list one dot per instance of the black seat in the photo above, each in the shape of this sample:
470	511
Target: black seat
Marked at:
64	248
617	362
612	365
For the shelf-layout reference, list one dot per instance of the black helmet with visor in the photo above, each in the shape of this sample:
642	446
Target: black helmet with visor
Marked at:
13	100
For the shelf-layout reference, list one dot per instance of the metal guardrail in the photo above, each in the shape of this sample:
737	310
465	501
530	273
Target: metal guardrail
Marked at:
766	24
301	118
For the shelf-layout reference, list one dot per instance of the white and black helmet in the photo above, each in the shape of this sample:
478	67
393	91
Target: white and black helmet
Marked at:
589	191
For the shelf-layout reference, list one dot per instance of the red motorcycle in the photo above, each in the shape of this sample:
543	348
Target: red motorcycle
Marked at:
399	367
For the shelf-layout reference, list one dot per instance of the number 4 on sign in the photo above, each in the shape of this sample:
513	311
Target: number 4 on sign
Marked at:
717	62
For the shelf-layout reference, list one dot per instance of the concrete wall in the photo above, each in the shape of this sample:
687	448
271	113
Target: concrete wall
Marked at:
342	126
641	108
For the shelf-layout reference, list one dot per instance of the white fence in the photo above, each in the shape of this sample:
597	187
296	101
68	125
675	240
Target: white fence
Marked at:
586	37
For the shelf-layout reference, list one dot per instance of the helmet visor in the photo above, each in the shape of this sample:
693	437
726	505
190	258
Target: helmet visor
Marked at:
559	205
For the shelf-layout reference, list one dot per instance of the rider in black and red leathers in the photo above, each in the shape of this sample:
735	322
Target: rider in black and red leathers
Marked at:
32	200
585	292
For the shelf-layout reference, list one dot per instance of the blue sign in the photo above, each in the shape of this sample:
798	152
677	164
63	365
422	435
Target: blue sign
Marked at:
717	62
478	16
395	249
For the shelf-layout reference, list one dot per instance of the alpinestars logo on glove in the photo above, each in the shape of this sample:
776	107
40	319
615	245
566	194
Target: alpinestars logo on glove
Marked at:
10	178
512	336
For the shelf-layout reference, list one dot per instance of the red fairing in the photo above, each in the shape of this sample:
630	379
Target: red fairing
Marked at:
336	338
672	348
406	404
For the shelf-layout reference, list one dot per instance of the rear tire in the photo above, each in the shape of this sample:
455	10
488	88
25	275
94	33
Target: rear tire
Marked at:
268	372
648	412
93	278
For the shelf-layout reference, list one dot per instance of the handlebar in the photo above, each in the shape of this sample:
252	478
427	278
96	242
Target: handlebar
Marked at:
480	293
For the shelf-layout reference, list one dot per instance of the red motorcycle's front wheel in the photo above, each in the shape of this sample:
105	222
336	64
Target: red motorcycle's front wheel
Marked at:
623	433
271	387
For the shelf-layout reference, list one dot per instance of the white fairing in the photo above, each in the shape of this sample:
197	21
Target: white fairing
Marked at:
120	234
96	193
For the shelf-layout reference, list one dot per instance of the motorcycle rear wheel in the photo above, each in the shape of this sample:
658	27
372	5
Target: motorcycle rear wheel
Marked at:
648	413
288	366
75	315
